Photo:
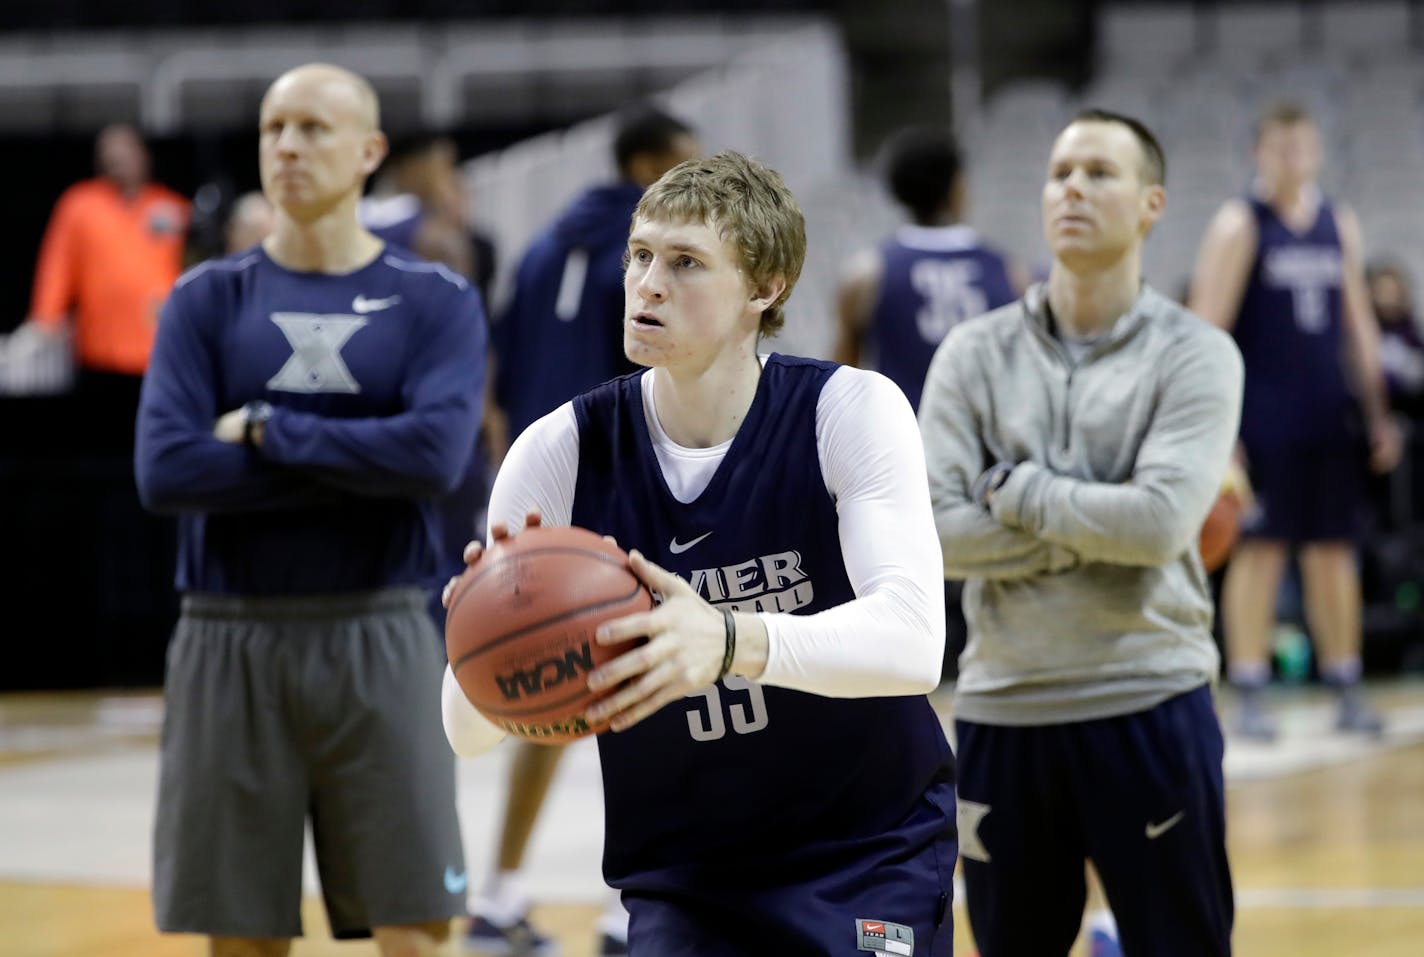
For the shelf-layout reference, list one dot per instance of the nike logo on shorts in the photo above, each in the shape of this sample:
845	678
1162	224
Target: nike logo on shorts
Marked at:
456	883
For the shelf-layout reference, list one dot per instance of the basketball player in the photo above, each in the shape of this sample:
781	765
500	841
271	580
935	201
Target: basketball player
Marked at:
308	401
418	203
933	273
561	334
1283	271
1075	442
775	780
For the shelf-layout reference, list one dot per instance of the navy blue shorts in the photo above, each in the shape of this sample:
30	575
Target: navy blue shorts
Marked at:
904	878
1307	492
1139	794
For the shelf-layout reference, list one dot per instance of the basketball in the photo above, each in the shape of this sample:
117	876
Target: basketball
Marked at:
519	629
1220	530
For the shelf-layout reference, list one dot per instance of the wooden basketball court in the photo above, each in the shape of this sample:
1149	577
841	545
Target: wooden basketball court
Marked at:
1327	837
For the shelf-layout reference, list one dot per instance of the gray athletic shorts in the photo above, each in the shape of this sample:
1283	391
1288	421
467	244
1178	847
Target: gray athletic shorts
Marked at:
283	711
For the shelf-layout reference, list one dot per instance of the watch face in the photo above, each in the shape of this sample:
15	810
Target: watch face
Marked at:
254	414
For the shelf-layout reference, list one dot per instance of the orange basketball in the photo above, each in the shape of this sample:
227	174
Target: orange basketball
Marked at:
1220	530
519	631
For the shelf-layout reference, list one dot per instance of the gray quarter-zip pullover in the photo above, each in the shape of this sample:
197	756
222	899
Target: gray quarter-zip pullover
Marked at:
1085	596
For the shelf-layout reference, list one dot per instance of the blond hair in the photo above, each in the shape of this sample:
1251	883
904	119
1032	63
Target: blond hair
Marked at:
749	206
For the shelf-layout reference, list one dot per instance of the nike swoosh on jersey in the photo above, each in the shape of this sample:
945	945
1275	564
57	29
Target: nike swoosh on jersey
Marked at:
677	548
361	305
1155	831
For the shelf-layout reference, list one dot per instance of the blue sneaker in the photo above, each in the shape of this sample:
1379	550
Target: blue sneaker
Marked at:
1356	716
1103	944
610	946
518	939
1253	722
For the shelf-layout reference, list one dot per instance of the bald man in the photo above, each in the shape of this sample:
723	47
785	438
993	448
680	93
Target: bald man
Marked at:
309	400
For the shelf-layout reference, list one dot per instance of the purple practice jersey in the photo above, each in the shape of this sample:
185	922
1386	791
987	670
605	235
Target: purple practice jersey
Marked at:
1289	330
744	785
933	279
375	379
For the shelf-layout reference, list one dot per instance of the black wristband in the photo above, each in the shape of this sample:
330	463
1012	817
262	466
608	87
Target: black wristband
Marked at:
730	651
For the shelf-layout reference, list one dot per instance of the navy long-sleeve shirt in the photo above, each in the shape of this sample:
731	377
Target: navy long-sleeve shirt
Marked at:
375	380
562	331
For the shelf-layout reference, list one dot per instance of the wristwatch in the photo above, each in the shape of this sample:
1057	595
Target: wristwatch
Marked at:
254	414
992	479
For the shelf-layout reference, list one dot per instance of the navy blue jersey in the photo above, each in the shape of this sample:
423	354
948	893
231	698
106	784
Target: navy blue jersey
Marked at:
742	783
932	280
375	378
562	331
1289	330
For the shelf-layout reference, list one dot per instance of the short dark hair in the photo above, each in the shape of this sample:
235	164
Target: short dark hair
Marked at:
1281	113
921	166
1386	267
1154	161
412	145
645	129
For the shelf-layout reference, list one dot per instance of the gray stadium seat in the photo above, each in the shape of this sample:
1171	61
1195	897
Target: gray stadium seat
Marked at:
1152	39
1364	29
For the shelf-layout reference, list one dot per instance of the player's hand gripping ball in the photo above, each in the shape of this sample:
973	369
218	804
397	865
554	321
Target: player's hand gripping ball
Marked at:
520	624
